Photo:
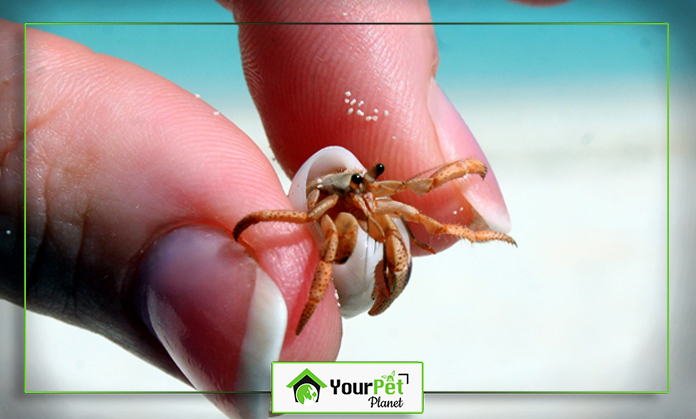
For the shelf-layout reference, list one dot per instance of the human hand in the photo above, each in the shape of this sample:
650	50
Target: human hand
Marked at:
118	157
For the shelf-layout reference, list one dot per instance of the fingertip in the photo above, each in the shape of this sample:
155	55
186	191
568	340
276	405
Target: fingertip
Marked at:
287	252
320	338
200	294
290	256
363	87
368	88
220	316
457	142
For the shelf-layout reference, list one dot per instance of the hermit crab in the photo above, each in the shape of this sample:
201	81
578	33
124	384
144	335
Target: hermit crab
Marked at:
362	233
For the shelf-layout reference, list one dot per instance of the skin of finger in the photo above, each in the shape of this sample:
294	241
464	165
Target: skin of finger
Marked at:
299	76
116	156
11	160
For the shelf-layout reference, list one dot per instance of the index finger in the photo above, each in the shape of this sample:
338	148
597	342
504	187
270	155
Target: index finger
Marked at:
367	87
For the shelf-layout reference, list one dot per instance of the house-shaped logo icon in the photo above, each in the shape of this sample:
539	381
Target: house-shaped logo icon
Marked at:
306	387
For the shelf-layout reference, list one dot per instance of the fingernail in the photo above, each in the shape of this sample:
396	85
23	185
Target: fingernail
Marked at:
220	317
457	142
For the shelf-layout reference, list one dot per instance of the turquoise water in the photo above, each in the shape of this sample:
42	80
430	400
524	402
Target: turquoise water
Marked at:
536	52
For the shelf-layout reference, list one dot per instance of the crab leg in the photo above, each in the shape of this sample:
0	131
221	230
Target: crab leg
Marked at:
347	228
396	267
413	238
288	216
410	213
442	175
338	245
322	274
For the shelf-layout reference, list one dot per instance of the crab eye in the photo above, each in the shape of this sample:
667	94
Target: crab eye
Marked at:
374	172
356	180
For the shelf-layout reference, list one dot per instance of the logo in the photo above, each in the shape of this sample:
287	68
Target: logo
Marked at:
347	387
306	387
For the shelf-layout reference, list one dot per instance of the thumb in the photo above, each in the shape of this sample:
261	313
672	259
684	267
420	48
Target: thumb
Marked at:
127	173
219	316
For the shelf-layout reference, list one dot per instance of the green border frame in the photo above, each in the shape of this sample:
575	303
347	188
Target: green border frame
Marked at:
27	24
373	412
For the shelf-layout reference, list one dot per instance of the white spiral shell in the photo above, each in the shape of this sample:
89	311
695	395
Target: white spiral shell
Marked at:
355	279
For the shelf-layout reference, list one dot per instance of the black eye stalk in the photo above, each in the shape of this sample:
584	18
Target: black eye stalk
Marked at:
355	181
374	172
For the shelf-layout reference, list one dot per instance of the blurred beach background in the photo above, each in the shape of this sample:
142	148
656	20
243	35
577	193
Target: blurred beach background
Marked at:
574	120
